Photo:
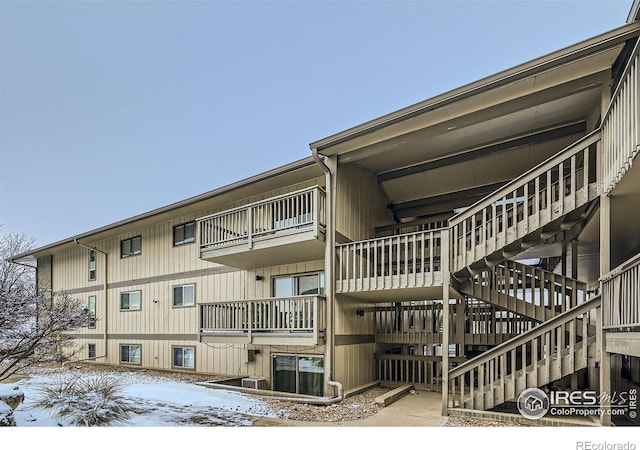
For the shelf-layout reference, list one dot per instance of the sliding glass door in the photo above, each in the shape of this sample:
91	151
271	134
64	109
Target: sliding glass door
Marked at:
298	374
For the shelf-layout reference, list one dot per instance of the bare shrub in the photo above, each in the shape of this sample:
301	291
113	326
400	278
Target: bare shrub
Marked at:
94	401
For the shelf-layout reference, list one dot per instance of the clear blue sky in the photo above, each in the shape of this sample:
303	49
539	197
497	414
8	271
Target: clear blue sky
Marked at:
111	108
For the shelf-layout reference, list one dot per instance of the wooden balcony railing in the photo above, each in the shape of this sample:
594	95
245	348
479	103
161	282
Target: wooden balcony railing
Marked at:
248	318
538	197
424	372
620	127
621	295
403	261
295	211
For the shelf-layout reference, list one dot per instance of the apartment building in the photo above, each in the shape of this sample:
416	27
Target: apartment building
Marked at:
480	242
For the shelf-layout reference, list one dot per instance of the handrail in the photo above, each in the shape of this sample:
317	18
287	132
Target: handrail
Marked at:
563	154
628	264
303	313
396	357
260	202
383	238
524	338
620	128
625	72
289	297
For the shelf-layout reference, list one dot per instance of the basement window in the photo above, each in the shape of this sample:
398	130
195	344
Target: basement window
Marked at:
130	354
184	357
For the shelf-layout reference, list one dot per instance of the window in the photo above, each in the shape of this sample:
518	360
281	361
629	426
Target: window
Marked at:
184	234
131	247
92	351
184	295
292	285
184	357
130	354
92	265
92	311
130	301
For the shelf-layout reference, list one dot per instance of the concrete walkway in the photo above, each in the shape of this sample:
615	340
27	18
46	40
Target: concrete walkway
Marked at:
422	409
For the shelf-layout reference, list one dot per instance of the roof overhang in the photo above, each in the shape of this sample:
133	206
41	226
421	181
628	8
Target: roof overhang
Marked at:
521	80
295	172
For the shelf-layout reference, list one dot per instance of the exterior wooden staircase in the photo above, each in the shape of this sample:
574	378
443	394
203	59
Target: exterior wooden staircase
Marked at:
540	206
551	197
547	353
544	202
525	290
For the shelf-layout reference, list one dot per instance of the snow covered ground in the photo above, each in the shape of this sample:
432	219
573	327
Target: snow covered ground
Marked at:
159	401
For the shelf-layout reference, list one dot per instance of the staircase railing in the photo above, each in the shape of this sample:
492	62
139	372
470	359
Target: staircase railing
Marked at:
620	127
527	290
541	195
548	352
621	294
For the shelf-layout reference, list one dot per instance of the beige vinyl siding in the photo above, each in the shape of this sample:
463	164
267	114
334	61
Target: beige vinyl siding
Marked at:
355	365
155	272
361	204
215	359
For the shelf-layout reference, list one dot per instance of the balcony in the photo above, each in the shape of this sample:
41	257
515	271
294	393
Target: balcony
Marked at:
285	229
403	267
296	320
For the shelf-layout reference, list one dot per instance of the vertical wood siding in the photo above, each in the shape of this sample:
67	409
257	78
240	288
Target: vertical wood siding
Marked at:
154	273
361	204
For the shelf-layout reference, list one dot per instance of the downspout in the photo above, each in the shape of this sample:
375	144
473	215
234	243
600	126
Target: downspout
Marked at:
329	276
106	292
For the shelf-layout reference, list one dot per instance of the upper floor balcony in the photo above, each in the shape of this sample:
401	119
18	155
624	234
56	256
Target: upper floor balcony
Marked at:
405	267
297	320
284	229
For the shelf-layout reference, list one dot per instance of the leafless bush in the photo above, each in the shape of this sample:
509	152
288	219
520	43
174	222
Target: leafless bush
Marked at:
33	328
94	401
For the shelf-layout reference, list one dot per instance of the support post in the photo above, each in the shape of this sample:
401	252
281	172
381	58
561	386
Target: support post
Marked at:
574	259
445	321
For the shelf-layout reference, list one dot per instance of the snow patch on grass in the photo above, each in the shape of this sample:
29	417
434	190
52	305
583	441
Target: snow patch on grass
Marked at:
153	400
